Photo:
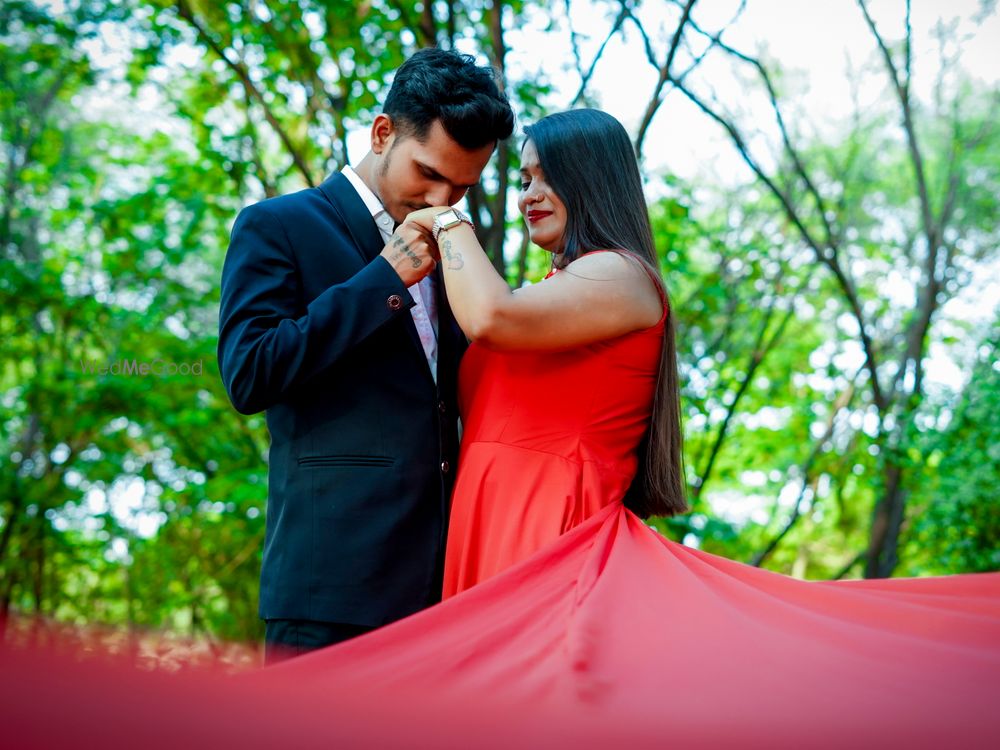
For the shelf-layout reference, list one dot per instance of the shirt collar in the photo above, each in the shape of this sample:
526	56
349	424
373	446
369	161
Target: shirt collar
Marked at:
372	203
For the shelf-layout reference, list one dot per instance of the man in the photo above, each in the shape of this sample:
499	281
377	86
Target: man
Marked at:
333	320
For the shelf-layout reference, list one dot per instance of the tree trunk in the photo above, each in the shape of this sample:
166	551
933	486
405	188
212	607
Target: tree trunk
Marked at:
883	546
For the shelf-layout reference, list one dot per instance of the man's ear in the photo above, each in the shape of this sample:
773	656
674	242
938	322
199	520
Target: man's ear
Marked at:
383	131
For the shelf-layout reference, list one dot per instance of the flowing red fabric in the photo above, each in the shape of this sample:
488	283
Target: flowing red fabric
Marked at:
611	636
568	622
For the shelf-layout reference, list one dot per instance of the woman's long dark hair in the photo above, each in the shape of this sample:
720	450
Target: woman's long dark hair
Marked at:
587	159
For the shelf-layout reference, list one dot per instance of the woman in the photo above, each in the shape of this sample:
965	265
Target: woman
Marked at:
569	390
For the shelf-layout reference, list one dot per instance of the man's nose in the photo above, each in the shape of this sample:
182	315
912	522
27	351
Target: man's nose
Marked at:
439	195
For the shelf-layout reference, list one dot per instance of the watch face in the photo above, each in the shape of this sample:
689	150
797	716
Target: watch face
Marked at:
447	218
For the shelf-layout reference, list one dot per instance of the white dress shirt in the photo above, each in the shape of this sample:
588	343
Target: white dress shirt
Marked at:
424	312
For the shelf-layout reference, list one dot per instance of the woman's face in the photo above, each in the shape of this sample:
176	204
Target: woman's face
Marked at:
539	204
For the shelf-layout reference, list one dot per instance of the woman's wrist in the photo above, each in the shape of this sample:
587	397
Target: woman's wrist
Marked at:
448	219
452	241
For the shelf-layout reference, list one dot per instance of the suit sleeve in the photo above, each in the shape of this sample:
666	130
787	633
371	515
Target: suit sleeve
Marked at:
267	343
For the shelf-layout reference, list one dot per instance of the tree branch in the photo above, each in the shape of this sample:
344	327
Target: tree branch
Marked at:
828	259
493	235
902	88
522	257
805	469
762	346
256	158
655	100
428	25
185	12
786	140
586	76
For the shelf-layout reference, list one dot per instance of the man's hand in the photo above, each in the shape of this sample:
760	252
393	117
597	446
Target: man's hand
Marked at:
411	252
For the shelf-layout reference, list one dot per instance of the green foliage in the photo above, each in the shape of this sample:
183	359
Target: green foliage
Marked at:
955	516
114	241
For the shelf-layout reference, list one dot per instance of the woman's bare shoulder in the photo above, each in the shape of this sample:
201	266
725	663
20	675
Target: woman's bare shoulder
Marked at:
624	273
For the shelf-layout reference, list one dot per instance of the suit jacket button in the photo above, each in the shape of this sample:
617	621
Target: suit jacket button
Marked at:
442	407
445	467
394	302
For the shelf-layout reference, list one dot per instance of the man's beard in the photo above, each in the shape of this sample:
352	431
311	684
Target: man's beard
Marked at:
383	167
383	170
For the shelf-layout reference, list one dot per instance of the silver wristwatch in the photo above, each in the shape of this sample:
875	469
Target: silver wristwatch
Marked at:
448	219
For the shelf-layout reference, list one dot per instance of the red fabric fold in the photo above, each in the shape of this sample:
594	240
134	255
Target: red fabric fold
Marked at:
610	635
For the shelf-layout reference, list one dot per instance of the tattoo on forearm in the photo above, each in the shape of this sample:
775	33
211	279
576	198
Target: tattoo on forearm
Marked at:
404	250
454	258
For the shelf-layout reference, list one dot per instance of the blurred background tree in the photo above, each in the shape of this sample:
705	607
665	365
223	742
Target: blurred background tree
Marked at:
813	289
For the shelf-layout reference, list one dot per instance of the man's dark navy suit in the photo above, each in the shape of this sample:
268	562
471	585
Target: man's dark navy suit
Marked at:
315	328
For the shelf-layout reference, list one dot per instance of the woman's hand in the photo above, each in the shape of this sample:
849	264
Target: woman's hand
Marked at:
425	216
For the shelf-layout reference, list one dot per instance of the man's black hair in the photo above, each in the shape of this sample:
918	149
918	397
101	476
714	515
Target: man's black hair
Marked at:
436	84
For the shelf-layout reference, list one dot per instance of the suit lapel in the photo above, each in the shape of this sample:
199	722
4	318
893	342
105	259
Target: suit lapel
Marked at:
345	199
367	239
